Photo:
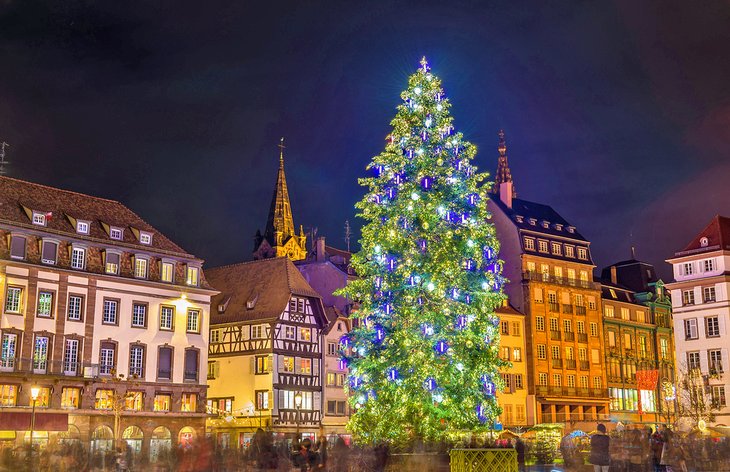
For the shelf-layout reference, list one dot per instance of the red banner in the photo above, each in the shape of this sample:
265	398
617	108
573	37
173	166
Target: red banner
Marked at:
647	379
20	421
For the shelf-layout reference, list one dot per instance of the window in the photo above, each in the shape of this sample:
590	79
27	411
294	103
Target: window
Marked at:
570	381
540	323
664	347
39	219
262	399
145	238
688	297
215	336
583	381
597	382
109	315
583	276
538	295
582	253
8	394
517	354
78	258
595	356
569	251
305	366
213	370
507	379
714	356
44	397
687	268
568	326
257	332
555	351
136	361
582	354
541	353
286	400
192	276
133	401
708	294
712	326
40	354
690	328
504	353
520	413
554	326
287	364
193	323
519	383
164	363
116	233
48	252
571	276
17	247
708	265
305	334
570	352
515	328
557	380
718	396
594	329
556	249
505	328
529	244
189	403
191	365
542	246
162	402
608	311
580	326
112	263
290	332
628	341
611	335
530	266
75	307
331	349
542	379
166	272
558	273
107	354
71	357
167	314
140	267
7	351
70	397
104	399
545	271
139	315
13	299
45	304
642	346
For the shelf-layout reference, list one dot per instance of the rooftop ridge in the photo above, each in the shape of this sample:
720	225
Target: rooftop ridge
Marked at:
242	263
72	192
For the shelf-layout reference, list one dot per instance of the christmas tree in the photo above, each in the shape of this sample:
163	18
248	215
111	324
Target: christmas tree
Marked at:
422	356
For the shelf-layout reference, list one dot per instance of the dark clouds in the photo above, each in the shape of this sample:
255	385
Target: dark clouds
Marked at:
615	113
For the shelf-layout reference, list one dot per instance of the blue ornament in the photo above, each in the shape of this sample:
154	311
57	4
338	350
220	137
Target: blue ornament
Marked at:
480	414
420	300
379	333
344	341
472	198
378	171
467	298
391	263
392	374
422	244
455	293
427	183
355	382
391	192
461	321
427	329
388	308
378	282
441	347
430	384
469	264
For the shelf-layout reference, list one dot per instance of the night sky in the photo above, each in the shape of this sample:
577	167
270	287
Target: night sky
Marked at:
616	113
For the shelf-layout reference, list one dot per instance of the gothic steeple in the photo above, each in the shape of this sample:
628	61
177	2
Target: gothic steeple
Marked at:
503	185
279	238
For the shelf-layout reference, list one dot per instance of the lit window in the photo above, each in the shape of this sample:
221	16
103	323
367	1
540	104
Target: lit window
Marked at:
162	402
116	233
305	366
140	268
167	314
133	401
262	399
70	397
45	304
287	364
570	380
8	394
82	227
569	251
517	354
290	332
78	258
529	244
145	238
7	351
75	307
556	249
104	399
542	246
582	253
542	379
40	355
112	263
541	352
193	322
167	271
305	334
192	276
608	311
189	403
263	365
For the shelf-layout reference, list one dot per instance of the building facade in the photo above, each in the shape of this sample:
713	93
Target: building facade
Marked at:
700	295
265	357
105	315
549	265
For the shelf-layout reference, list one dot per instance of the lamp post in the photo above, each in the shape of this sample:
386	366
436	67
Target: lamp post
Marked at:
298	405
34	392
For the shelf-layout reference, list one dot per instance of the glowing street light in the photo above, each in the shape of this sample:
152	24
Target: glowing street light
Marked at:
34	392
298	405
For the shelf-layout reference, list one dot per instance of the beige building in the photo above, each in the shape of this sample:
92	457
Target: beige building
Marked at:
105	315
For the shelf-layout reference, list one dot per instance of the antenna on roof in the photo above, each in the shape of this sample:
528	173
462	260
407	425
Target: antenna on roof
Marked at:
347	233
3	162
633	253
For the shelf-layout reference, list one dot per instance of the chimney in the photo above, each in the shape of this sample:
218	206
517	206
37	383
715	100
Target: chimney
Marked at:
614	278
320	249
505	193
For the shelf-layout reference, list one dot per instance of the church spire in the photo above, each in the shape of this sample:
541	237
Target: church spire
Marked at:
279	238
503	185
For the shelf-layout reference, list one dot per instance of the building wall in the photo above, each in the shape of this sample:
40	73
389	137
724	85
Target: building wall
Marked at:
334	423
518	405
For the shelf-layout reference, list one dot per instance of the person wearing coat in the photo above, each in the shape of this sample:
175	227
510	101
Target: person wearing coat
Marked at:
600	444
305	459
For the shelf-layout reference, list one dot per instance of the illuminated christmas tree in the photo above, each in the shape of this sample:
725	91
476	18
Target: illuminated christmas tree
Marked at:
423	355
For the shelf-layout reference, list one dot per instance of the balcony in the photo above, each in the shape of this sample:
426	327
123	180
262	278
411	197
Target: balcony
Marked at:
557	363
543	390
584	365
554	335
570	364
582	337
569	336
549	278
49	367
568	309
553	307
580	310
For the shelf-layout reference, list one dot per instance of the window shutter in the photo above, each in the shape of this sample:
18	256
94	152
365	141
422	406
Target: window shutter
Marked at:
298	365
191	361
48	254
253	364
17	247
317	401
270	395
164	363
270	366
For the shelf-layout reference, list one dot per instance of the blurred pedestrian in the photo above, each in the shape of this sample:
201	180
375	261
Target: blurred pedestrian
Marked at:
340	456
520	448
600	443
305	459
321	449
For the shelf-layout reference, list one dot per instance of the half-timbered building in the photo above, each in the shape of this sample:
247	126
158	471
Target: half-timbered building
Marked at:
265	351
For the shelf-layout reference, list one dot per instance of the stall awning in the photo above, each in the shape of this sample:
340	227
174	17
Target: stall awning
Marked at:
20	421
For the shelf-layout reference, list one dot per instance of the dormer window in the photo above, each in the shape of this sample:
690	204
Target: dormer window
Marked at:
545	224
192	275
116	233
558	226
39	218
82	227
519	218
145	238
251	304
704	242
582	253
571	229
532	221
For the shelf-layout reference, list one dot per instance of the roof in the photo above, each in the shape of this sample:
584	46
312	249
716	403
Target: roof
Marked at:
267	283
18	198
717	234
539	213
623	294
507	309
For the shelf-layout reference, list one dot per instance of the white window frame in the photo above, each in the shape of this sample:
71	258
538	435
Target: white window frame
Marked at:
690	329
167	267
163	325
107	264
529	244
116	233
192	275
715	332
139	315
192	321
107	310
39	218
137	267
13	300
75	308
582	253
145	238
82	227
78	257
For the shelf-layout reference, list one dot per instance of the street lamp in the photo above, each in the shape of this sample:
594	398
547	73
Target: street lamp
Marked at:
298	405
34	392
